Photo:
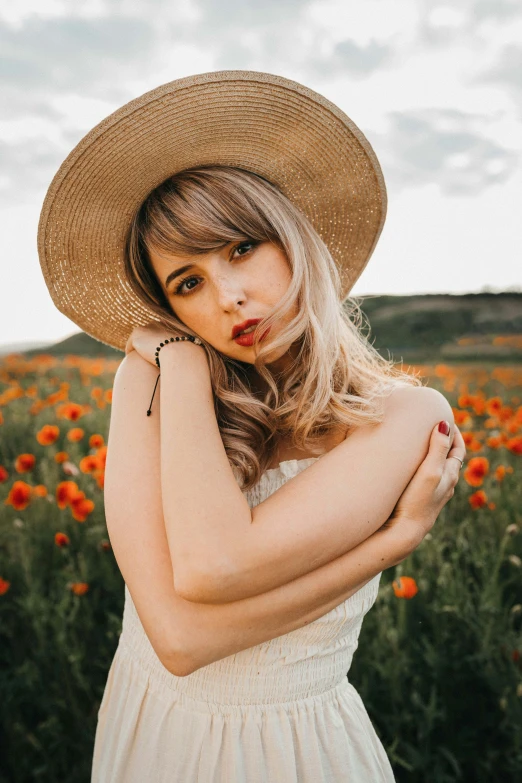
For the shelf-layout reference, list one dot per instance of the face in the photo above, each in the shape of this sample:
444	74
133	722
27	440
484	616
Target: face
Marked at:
214	292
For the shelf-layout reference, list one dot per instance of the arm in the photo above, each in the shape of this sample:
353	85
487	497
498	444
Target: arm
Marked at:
221	551
185	635
212	632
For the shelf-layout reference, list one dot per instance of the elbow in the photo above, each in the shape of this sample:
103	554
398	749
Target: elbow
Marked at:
179	665
177	661
209	587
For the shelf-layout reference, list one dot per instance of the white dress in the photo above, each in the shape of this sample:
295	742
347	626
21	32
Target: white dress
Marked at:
280	712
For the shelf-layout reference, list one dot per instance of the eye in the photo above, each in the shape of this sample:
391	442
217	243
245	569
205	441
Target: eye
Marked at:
248	243
178	290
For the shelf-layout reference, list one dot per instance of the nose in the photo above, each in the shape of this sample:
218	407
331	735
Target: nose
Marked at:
230	293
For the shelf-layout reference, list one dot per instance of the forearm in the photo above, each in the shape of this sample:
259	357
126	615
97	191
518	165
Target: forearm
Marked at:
203	505
213	632
223	552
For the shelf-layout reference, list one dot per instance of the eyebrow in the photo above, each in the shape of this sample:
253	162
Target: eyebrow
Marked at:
176	273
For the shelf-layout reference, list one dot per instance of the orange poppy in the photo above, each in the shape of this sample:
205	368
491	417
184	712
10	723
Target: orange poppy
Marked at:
48	434
494	442
61	539
81	507
494	406
515	445
476	469
4	475
71	411
89	464
101	453
40	491
406	587
24	463
19	495
79	588
478	499
75	434
65	491
60	457
95	441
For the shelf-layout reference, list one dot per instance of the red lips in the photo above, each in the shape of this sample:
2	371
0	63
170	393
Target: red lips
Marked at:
239	327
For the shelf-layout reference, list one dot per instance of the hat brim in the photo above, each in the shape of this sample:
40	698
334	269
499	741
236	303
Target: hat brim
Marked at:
257	121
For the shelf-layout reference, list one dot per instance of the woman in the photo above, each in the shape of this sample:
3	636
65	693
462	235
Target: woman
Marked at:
276	475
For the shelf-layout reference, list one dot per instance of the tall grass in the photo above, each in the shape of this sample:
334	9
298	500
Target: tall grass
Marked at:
440	672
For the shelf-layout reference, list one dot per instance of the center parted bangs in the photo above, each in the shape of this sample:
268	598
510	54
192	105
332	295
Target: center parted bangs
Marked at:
200	210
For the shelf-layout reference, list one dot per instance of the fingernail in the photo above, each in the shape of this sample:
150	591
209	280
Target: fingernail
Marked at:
444	427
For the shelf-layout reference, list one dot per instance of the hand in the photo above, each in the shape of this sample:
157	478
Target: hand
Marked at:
432	486
145	339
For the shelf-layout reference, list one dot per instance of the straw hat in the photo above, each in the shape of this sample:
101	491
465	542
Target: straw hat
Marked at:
257	121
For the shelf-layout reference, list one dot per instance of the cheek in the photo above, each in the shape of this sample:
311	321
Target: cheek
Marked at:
276	278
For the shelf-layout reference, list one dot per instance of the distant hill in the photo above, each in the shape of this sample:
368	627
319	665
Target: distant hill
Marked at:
79	344
420	328
446	326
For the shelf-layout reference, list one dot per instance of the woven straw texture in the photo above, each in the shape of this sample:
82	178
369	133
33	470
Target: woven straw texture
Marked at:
257	121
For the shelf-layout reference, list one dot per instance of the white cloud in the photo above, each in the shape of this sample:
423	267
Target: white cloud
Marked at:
435	86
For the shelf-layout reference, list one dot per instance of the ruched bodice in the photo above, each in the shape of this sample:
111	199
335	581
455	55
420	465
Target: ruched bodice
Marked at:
282	710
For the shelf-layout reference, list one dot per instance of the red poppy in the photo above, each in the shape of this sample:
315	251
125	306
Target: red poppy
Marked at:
478	499
48	434
79	588
96	440
476	469
65	491
406	588
81	507
75	434
61	539
19	495
24	463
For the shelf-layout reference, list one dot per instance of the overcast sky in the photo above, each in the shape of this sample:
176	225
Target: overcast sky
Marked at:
436	87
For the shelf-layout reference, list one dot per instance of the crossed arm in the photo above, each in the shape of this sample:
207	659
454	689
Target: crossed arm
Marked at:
186	634
221	550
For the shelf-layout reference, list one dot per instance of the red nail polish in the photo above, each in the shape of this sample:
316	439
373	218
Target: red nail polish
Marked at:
444	427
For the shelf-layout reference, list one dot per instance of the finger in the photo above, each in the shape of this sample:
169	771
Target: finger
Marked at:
459	446
453	466
438	451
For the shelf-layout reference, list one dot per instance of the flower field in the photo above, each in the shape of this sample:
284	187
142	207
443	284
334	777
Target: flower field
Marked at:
439	664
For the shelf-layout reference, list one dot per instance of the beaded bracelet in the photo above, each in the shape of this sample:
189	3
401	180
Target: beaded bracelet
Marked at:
195	340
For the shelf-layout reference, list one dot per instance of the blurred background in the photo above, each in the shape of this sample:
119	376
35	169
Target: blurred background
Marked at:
437	89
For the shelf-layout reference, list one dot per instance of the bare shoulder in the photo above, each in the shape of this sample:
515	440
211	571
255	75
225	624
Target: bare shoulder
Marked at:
410	414
423	398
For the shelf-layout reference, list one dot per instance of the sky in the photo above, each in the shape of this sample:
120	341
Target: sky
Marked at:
436	88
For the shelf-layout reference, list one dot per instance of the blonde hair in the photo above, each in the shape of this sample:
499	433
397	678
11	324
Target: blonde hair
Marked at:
338	379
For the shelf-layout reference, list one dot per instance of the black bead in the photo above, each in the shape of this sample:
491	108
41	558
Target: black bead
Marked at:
161	345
